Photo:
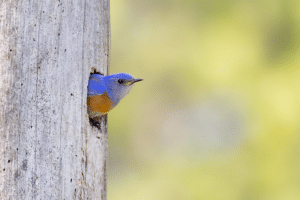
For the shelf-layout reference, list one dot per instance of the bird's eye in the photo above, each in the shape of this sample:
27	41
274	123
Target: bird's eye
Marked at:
120	81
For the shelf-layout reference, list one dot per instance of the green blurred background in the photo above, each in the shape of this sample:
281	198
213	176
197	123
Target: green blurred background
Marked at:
217	115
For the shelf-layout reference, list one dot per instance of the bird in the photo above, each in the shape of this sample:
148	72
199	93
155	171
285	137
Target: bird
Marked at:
105	92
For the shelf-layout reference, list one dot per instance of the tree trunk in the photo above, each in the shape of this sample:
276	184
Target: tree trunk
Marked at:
48	150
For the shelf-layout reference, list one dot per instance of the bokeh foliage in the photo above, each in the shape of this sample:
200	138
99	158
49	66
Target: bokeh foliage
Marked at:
217	115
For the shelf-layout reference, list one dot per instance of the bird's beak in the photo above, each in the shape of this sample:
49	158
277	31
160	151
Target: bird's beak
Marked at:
132	81
137	80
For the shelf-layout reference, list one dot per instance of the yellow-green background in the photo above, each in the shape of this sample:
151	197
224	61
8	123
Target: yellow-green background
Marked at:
217	115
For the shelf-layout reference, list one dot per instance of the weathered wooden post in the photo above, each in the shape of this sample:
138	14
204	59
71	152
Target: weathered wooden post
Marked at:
48	150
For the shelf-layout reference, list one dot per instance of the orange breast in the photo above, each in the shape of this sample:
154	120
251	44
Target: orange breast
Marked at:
99	104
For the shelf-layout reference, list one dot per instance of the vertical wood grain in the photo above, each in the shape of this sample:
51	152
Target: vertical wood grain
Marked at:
48	150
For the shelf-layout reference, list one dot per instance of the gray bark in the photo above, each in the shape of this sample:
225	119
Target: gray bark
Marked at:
48	150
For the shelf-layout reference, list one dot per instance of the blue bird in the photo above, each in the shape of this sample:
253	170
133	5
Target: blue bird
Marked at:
105	92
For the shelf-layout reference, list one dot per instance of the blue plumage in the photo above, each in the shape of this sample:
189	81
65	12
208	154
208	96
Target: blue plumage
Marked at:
105	92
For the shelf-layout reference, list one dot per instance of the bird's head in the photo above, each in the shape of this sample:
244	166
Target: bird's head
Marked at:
118	85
